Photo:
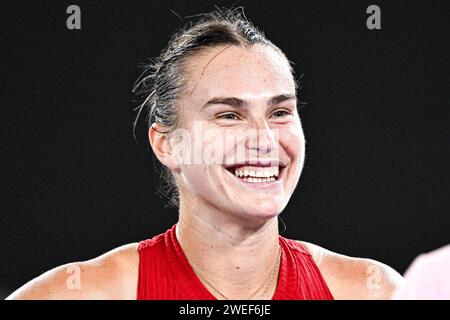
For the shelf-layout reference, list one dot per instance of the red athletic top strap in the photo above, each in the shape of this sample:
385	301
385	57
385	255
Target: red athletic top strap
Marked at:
165	272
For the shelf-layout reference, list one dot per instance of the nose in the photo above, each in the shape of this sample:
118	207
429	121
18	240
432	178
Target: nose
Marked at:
261	138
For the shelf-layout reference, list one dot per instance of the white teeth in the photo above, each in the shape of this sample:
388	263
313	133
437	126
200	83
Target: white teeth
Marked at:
257	174
276	172
256	180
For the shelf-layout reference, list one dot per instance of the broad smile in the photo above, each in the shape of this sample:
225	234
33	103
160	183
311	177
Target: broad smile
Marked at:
258	174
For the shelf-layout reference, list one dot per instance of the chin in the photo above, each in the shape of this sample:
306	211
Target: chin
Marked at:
262	211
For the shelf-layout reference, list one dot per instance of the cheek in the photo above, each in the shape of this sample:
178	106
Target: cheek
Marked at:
193	177
293	142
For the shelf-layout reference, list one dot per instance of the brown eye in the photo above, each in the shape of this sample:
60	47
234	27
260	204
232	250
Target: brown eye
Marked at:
281	113
229	116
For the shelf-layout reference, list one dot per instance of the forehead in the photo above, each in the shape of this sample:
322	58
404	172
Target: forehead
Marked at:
252	72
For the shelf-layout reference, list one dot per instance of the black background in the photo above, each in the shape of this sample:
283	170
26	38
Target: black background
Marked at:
74	183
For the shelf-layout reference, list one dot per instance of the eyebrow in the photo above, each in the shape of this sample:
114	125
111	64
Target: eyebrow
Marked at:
239	103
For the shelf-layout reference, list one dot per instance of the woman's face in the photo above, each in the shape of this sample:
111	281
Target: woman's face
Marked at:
243	146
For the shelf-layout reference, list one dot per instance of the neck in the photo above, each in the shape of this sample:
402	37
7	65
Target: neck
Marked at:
234	256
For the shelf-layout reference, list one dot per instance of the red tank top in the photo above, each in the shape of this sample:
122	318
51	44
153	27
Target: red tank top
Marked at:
165	272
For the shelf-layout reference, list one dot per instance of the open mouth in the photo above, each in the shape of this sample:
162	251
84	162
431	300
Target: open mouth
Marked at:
257	173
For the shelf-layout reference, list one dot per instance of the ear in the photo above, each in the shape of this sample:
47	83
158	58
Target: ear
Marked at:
160	143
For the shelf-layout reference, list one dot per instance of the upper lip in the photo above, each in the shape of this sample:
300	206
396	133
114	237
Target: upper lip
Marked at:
261	162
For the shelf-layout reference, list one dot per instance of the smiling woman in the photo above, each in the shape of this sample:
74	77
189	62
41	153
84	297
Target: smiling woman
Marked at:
223	121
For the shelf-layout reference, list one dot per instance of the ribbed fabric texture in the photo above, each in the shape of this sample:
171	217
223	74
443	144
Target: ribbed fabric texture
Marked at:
165	272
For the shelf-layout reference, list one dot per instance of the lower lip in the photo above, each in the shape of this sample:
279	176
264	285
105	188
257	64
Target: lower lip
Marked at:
260	185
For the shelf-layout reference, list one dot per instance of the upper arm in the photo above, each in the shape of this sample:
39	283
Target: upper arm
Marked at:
377	280
71	281
355	278
110	276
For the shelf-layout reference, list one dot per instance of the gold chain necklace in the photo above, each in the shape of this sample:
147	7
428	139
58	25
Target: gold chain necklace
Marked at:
268	280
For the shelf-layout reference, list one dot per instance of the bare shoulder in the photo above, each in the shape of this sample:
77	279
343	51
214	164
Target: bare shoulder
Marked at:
113	275
354	278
